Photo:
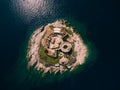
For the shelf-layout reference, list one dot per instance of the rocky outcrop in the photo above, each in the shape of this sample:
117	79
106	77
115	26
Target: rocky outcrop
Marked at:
52	48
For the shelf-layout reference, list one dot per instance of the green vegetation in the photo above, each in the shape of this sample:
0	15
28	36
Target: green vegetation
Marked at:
69	31
64	30
71	59
71	56
51	26
46	58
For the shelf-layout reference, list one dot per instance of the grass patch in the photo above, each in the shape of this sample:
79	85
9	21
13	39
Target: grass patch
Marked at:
46	58
69	31
64	30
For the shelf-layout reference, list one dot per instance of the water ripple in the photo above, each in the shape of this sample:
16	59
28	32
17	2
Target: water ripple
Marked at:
27	10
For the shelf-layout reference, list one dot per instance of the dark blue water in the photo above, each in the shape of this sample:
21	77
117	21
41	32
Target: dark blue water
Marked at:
19	17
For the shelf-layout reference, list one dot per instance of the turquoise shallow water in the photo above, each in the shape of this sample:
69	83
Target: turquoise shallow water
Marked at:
31	78
19	18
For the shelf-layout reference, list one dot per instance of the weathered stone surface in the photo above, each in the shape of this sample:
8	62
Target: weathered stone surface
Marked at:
53	48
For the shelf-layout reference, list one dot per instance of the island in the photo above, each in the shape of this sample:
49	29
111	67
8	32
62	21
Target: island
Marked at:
55	48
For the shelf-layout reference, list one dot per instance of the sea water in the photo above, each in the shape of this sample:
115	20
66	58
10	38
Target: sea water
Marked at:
36	13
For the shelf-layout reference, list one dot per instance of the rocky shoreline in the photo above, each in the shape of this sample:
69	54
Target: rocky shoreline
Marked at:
80	50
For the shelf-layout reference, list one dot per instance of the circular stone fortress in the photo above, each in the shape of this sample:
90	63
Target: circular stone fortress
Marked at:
56	48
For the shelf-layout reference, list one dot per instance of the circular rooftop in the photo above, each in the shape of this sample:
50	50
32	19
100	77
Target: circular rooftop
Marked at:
65	47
